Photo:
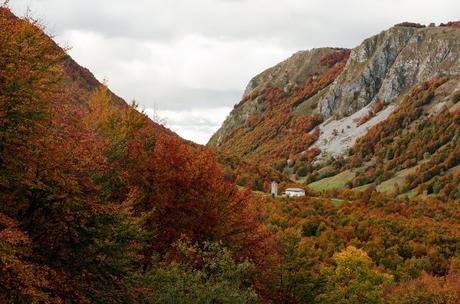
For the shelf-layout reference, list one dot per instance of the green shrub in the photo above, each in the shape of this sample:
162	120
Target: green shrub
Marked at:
219	280
456	96
302	171
437	187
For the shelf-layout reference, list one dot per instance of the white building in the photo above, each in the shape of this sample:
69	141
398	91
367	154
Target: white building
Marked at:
291	192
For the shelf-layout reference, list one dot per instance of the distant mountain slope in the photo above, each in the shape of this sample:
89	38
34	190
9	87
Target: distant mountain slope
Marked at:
285	76
340	102
415	151
263	126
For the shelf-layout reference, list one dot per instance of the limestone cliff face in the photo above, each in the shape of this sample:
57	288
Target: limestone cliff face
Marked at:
385	66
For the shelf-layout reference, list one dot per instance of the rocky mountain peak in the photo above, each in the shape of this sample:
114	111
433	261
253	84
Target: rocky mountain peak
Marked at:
292	72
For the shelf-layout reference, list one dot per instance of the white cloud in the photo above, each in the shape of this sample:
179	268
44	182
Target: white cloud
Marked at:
194	124
185	56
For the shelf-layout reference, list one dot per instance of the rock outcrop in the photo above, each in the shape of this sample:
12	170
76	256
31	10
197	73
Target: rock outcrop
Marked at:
385	66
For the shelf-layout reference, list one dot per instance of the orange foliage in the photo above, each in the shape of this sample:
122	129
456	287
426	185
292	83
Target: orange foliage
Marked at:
377	106
304	124
84	181
338	56
365	118
428	289
312	153
450	24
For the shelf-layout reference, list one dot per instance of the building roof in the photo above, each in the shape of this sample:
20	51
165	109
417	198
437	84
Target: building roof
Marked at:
295	189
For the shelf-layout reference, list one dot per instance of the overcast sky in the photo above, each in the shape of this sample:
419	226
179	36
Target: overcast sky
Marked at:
191	59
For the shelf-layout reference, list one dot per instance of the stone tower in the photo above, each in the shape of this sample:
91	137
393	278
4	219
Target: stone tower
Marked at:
274	189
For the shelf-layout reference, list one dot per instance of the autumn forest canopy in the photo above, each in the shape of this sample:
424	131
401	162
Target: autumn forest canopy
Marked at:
100	204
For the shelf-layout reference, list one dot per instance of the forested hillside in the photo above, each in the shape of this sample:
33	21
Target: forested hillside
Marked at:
99	204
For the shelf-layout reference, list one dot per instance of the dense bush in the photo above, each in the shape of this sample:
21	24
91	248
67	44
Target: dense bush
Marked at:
456	96
410	24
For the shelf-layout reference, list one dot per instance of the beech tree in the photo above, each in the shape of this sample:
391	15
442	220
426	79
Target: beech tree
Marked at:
353	279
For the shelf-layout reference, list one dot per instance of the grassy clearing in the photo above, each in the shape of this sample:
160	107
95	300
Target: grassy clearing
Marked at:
334	182
409	194
389	186
336	201
321	173
361	188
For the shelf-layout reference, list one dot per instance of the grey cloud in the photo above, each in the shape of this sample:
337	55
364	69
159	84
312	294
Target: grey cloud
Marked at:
186	98
199	98
323	22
